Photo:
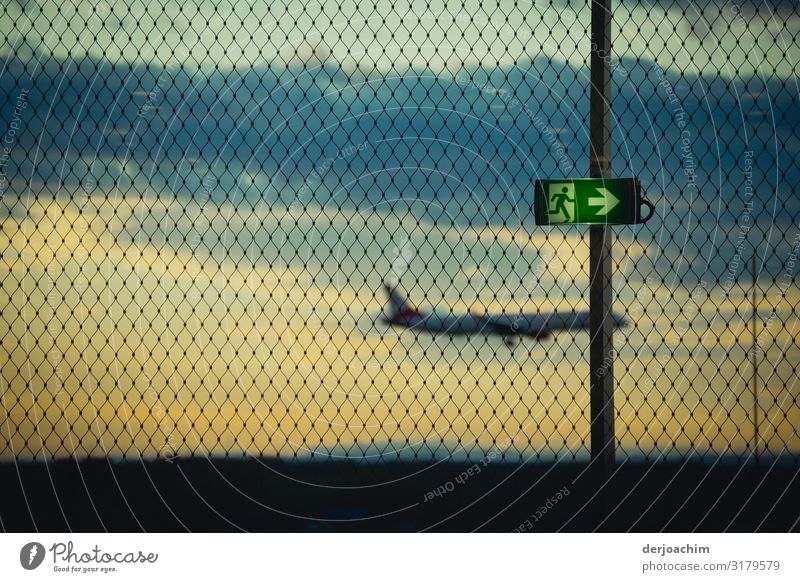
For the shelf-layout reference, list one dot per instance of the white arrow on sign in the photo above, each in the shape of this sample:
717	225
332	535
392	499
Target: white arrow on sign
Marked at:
607	201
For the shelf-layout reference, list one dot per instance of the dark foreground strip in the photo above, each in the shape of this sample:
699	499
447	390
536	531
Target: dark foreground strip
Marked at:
269	495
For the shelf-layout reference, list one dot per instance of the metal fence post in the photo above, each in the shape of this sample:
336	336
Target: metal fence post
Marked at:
601	356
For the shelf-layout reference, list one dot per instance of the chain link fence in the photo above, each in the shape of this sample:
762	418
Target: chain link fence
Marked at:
202	203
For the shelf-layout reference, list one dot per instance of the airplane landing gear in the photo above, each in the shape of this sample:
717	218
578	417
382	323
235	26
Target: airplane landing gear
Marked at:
510	340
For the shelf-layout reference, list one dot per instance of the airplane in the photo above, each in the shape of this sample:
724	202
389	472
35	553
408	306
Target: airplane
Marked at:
510	326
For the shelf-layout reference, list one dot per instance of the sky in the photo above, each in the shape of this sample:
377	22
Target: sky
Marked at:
399	34
247	322
128	339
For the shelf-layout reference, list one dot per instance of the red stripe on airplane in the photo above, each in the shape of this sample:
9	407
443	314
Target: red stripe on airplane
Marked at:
406	314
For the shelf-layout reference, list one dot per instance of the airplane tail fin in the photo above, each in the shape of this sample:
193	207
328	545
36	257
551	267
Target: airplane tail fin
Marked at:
399	304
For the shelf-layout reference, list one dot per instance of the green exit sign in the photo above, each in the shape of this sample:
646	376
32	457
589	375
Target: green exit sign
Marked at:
590	201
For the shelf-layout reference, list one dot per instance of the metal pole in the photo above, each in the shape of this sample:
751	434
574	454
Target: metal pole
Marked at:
601	356
755	360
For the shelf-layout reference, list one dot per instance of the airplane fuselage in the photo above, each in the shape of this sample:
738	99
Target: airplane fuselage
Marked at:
507	325
468	323
450	323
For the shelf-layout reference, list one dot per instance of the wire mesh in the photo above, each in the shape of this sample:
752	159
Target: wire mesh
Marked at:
201	204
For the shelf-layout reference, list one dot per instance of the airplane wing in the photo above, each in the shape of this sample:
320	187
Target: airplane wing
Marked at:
511	326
